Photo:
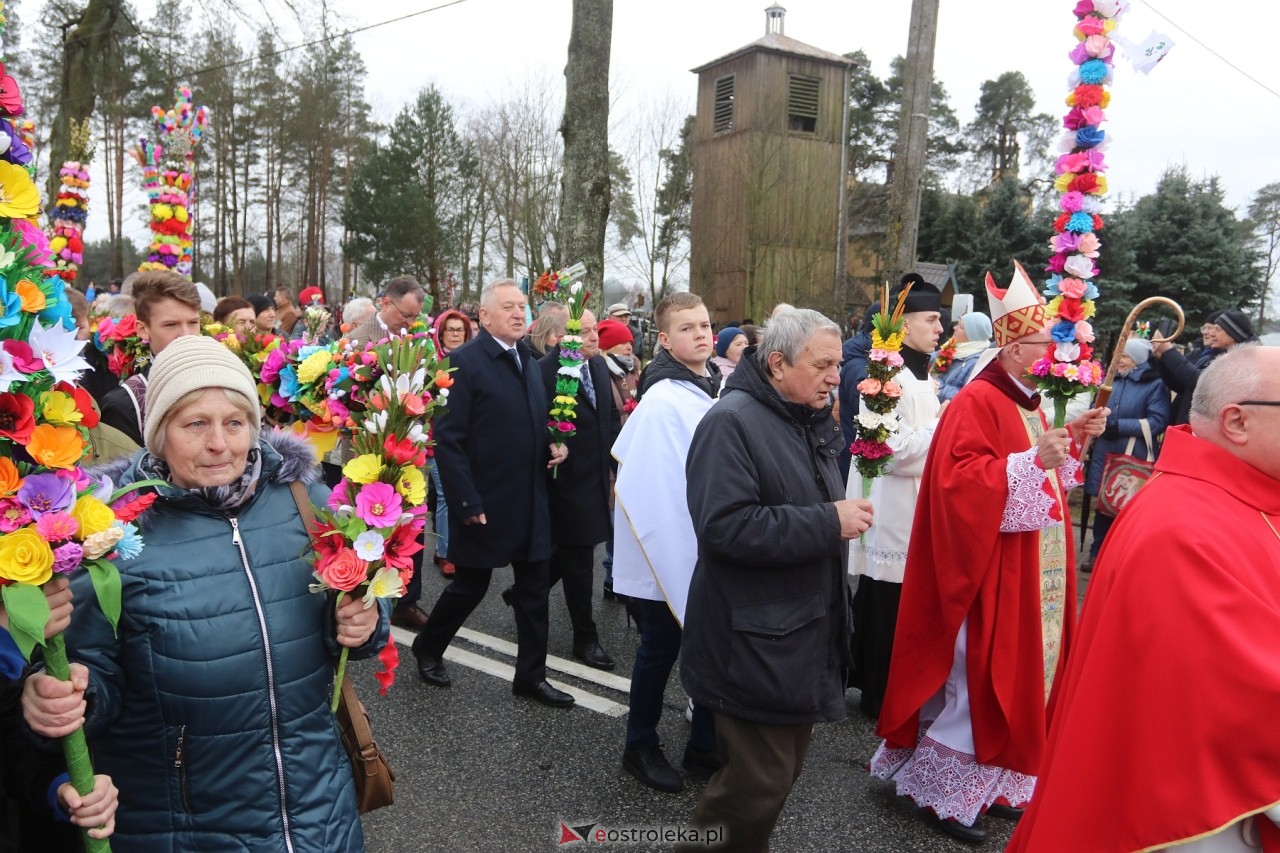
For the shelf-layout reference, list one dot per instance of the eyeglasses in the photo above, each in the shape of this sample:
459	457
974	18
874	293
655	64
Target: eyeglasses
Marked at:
1259	403
1036	342
404	315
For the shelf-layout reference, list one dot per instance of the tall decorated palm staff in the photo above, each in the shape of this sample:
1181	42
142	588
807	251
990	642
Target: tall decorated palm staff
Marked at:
168	176
580	495
988	597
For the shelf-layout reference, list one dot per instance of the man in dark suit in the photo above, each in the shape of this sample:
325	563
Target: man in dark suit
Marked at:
580	491
493	451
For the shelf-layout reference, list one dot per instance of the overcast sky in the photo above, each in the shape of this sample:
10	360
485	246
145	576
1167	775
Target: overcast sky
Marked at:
1193	109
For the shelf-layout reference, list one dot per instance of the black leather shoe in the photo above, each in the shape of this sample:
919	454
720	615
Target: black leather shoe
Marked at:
594	656
699	764
651	767
960	832
432	670
544	693
1006	812
509	596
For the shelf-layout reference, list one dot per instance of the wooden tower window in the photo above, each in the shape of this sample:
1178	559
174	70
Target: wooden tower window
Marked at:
723	113
802	104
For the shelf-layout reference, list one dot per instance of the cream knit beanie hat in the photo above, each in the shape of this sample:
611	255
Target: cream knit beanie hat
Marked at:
192	363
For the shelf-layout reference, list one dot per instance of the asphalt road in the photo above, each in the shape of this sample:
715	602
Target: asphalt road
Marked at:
478	769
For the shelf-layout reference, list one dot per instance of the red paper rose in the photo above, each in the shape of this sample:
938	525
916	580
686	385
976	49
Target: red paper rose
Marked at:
343	570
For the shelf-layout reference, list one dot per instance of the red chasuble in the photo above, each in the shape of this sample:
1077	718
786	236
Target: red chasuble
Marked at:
1167	721
960	565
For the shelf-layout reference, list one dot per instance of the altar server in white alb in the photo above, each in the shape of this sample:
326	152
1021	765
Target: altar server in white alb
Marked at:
877	559
654	548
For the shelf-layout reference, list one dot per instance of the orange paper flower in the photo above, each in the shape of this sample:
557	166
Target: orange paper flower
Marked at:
10	481
33	299
56	446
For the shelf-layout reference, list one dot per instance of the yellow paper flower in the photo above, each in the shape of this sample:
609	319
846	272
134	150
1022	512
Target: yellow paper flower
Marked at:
19	198
412	486
385	583
92	515
1063	181
33	298
56	446
101	543
25	557
363	469
314	366
58	408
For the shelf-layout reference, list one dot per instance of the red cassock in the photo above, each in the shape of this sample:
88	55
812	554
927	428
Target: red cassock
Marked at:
960	565
1167	722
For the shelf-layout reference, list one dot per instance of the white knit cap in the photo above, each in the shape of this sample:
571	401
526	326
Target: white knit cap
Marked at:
192	363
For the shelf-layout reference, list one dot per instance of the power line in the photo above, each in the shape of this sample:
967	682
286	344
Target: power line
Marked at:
1228	62
284	50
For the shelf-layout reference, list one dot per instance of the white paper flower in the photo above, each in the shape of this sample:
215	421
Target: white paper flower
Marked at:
369	546
59	350
874	420
1066	351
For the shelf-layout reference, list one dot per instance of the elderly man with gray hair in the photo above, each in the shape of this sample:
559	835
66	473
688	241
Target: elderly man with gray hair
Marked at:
766	637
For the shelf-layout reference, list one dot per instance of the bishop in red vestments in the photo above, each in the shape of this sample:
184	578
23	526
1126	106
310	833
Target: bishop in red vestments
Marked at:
1164	730
989	596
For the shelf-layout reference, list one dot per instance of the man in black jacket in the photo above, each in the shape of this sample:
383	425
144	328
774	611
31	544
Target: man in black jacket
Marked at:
493	451
580	491
766	635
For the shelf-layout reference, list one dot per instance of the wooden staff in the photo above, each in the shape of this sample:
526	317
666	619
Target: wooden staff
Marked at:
1104	391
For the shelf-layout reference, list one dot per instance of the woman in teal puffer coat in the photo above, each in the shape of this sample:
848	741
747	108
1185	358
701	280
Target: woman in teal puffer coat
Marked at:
210	707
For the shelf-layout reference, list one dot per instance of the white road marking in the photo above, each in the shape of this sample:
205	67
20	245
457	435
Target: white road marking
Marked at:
498	669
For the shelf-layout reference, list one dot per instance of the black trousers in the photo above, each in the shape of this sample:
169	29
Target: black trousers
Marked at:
575	567
467	590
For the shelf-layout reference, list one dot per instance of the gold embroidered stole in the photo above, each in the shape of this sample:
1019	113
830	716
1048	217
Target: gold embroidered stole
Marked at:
1053	570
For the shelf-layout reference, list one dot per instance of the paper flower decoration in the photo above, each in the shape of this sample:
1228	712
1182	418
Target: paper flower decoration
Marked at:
876	418
167	178
1067	366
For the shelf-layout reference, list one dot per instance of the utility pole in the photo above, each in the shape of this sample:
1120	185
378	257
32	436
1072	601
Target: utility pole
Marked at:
913	139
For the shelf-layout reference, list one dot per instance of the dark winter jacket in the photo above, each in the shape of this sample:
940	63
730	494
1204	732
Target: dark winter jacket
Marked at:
766	634
665	366
1180	375
210	710
579	490
492	448
1138	394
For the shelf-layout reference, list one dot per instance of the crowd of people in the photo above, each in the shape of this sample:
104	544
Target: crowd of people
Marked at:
717	474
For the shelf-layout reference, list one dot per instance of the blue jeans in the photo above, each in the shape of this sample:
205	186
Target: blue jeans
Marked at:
441	522
655	656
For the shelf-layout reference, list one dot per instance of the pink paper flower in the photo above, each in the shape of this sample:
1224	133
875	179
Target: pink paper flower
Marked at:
1072	288
869	386
1084	332
56	527
378	504
892	389
894	359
